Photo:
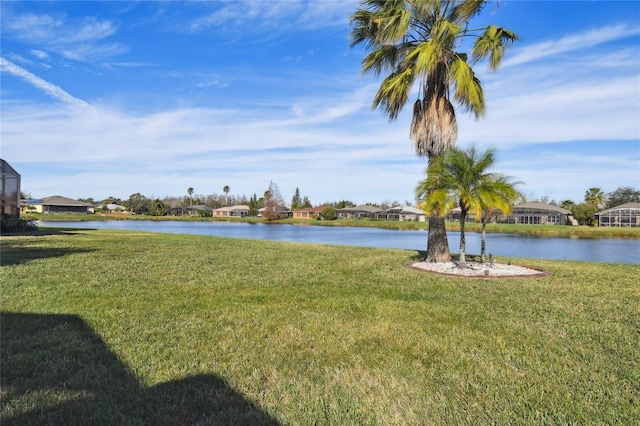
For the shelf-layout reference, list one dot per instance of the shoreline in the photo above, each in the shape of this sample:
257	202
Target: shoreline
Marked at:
579	231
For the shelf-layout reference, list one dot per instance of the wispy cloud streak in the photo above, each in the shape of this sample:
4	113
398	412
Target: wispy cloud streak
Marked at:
50	89
570	43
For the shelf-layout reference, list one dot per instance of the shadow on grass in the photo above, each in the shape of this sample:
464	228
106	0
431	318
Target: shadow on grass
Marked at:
15	252
55	370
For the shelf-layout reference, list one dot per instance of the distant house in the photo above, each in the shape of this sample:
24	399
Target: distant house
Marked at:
176	211
232	211
537	213
358	212
10	196
195	210
455	213
199	210
112	208
308	212
57	204
402	213
627	215
281	212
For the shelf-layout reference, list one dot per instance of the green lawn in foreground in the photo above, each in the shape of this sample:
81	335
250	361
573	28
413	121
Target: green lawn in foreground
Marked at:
129	327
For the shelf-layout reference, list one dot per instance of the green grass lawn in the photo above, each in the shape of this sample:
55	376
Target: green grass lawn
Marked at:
104	327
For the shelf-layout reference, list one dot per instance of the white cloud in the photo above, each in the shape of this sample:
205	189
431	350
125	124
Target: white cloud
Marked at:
78	40
251	16
571	43
40	54
50	89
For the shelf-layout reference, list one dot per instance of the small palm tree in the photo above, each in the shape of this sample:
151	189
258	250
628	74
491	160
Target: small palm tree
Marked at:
595	197
226	190
190	192
418	41
502	196
460	177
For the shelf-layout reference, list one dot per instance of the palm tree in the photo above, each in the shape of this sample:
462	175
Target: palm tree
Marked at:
190	192
460	178
595	197
417	41
503	196
226	190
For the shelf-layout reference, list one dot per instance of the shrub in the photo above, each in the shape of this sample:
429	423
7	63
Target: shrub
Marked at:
328	213
16	224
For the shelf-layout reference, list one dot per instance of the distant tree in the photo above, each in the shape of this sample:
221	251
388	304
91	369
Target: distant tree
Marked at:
157	207
296	201
87	200
25	195
328	213
254	205
567	204
190	192
273	203
111	200
621	196
306	203
343	204
584	213
226	190
595	197
137	203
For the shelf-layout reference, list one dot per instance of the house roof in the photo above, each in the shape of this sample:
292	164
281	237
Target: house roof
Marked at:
199	207
6	169
621	207
405	210
281	209
59	200
363	208
317	209
537	205
112	206
232	208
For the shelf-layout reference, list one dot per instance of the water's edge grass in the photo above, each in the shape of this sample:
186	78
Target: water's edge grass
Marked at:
104	326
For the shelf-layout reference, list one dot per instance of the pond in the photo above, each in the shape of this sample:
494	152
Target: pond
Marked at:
610	250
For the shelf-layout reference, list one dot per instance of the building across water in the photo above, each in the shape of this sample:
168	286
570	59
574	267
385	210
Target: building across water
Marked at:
627	215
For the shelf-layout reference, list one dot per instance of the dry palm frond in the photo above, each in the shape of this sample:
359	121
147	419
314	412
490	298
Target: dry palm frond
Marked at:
433	127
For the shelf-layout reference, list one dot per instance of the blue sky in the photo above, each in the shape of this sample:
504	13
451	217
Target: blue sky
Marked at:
112	98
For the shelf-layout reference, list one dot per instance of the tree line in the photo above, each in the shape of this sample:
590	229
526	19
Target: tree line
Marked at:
271	200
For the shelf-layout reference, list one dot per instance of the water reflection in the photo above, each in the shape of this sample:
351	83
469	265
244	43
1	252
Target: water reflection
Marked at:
612	250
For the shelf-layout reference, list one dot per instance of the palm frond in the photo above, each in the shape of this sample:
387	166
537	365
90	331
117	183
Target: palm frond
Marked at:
463	11
468	89
425	57
383	58
492	43
394	92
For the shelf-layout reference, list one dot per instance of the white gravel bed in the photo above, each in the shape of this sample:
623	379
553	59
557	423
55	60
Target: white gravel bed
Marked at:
476	269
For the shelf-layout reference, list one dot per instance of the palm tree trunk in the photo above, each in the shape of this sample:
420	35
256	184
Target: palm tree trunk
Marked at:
463	219
483	242
437	243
